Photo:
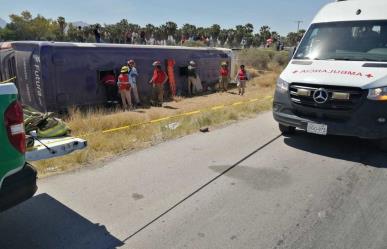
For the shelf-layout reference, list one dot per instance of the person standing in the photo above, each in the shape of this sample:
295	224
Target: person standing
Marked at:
224	77
97	34
128	37
124	88
109	81
192	77
80	34
241	78
133	76
158	80
143	37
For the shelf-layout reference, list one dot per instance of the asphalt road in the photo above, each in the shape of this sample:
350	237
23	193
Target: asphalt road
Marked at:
243	186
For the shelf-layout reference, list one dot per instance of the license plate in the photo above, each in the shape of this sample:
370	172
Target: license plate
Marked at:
319	129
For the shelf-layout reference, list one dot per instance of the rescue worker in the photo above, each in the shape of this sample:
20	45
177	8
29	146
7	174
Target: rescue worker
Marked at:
124	88
224	77
241	78
109	81
158	80
133	75
192	77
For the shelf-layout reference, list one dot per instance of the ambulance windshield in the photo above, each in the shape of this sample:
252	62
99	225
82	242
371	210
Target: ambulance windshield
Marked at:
351	41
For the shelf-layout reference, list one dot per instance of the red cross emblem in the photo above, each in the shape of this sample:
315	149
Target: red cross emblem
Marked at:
369	75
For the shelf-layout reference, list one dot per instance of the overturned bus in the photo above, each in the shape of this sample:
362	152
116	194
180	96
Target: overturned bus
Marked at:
52	76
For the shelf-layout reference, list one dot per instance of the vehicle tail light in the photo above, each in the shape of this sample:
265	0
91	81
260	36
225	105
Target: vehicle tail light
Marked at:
14	124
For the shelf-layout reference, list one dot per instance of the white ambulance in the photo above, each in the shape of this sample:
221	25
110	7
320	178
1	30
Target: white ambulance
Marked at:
336	82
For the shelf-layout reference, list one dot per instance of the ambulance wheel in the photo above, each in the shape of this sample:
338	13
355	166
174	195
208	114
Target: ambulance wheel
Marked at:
287	130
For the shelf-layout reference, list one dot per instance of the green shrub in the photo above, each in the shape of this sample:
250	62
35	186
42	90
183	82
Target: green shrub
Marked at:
262	59
281	58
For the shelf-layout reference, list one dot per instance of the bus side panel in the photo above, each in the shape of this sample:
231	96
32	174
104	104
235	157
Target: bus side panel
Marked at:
29	76
61	77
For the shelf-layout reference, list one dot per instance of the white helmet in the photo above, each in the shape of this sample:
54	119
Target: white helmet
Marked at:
156	63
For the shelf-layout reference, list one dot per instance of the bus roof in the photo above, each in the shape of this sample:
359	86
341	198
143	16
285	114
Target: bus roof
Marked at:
111	45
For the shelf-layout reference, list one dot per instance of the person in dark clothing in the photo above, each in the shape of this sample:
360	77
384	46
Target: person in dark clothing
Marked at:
142	37
109	81
80	35
97	34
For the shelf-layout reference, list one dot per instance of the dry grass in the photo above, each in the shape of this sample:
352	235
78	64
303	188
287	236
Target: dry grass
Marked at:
104	146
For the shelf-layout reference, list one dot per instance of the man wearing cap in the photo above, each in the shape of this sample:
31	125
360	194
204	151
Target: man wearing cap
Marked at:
192	77
158	80
133	75
224	77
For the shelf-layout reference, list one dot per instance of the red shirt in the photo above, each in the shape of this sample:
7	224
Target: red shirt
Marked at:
159	77
123	80
224	72
242	75
109	80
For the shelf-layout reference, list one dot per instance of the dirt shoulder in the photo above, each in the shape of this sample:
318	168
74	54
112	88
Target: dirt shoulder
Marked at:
140	133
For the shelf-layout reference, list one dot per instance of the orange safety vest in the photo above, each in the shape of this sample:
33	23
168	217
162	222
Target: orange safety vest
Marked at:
123	79
171	75
224	72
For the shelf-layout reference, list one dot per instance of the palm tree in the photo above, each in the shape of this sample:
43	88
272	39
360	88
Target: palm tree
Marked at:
264	32
223	35
188	30
249	28
231	37
62	24
256	40
240	33
215	31
171	28
149	30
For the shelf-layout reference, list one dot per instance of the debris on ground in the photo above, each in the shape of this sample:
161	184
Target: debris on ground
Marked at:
44	125
205	130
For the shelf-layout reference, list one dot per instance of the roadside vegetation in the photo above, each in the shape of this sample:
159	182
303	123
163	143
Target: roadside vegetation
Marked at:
25	26
90	125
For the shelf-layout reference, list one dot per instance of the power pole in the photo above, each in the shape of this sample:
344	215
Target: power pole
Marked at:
298	24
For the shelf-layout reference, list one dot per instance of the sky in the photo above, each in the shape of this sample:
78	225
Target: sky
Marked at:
280	15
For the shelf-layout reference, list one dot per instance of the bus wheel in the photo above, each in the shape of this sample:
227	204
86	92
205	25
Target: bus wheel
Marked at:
287	130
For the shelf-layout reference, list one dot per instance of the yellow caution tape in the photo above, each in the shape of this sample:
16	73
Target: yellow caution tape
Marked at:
116	129
8	81
217	107
159	120
192	113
